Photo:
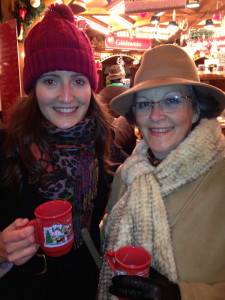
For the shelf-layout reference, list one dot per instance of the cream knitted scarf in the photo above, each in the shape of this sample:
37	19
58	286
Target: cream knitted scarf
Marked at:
140	217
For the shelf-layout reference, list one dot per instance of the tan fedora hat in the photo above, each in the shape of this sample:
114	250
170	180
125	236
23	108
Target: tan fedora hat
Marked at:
166	65
115	72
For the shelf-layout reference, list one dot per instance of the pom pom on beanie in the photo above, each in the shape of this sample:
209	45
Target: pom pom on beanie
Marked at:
56	43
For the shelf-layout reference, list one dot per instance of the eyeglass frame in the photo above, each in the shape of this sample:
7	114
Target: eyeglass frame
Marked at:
159	102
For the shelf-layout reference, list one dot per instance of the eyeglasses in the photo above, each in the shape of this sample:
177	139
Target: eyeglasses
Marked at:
167	105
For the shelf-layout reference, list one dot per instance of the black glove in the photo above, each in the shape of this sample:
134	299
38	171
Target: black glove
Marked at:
156	287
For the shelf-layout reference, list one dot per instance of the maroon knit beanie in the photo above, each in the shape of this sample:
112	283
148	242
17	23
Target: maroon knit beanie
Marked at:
56	44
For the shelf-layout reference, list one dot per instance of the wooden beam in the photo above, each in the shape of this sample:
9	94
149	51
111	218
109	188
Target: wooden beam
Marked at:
96	11
96	21
112	4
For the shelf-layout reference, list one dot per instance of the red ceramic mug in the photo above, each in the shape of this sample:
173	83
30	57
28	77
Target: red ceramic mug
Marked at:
53	227
129	260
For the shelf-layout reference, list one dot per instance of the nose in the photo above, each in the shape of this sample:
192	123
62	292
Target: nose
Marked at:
66	93
157	113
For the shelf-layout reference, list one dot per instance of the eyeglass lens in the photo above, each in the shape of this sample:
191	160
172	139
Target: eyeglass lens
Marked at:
167	105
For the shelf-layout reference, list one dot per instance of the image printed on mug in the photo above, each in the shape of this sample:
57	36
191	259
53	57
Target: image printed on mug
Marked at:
143	273
57	235
121	272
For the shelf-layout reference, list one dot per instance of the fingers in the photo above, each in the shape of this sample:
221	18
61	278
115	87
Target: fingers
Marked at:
135	287
17	223
11	234
20	222
17	246
26	255
125	293
131	281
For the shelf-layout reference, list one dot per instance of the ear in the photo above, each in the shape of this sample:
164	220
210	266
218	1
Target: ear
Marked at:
196	116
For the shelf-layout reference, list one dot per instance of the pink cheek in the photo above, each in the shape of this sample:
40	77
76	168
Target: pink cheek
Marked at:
140	121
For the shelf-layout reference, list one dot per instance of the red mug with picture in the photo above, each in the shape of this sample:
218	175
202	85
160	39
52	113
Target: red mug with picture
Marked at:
129	260
53	227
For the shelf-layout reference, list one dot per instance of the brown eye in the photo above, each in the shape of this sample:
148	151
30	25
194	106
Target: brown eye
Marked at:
79	81
143	105
49	82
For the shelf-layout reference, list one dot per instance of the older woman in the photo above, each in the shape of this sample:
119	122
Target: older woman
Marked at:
168	197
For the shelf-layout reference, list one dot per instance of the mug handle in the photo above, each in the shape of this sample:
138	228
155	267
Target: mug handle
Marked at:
32	223
109	257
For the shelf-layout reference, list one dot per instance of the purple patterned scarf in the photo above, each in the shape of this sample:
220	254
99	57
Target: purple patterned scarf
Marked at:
71	170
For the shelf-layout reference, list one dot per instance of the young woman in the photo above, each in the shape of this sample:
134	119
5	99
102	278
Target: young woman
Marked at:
56	146
168	197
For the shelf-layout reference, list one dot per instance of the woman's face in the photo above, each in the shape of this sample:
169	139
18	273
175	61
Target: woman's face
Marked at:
164	131
63	97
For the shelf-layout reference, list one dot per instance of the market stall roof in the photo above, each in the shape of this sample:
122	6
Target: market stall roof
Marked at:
101	13
114	18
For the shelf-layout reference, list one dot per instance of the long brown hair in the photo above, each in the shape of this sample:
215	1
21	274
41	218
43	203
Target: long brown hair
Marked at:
25	126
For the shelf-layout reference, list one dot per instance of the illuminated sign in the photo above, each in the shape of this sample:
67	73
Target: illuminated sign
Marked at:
126	43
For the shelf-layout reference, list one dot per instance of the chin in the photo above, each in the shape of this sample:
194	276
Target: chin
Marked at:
67	127
64	126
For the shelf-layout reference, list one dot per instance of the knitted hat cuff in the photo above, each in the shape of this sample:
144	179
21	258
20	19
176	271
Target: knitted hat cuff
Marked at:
59	59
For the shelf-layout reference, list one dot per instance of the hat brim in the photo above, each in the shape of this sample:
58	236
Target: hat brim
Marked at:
121	103
113	77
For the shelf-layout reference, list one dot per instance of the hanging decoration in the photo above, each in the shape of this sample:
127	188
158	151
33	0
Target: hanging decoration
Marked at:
26	14
217	15
77	6
20	37
121	64
143	14
22	12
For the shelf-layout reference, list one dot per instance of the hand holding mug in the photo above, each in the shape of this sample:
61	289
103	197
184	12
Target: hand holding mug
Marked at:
53	227
157	286
129	260
16	246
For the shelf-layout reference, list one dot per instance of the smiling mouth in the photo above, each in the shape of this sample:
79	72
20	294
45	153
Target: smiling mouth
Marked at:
65	110
161	129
